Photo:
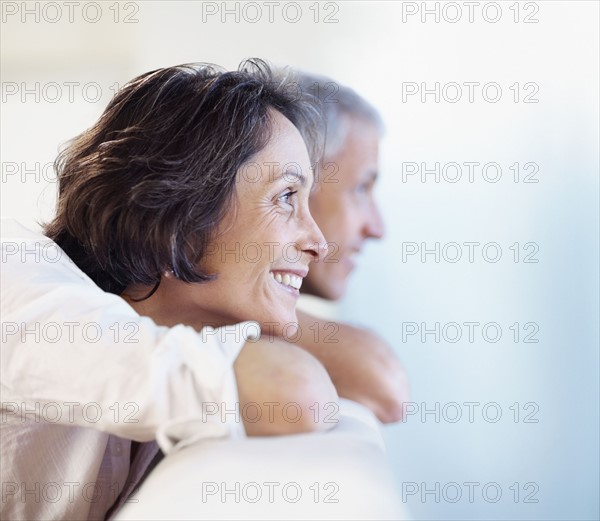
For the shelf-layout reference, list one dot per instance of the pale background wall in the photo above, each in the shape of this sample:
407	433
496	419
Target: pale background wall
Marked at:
371	48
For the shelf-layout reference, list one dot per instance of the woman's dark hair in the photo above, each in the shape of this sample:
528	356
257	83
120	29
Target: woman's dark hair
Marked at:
143	190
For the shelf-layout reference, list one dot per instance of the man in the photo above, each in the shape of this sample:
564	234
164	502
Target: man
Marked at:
362	366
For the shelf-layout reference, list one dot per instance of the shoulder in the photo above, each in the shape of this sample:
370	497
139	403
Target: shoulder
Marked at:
39	280
28	253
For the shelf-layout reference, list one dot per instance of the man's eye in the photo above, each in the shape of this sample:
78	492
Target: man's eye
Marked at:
363	188
287	197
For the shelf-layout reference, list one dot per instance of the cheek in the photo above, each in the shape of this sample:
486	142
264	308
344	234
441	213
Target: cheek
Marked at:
329	279
327	218
241	254
279	240
327	271
344	224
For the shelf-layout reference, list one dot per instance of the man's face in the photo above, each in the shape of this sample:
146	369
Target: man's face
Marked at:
344	208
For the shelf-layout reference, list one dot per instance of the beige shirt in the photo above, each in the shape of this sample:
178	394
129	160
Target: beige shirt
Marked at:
82	374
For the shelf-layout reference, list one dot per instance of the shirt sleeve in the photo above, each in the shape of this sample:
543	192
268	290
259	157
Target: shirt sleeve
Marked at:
74	354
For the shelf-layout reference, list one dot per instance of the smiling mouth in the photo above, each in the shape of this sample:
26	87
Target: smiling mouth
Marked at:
287	280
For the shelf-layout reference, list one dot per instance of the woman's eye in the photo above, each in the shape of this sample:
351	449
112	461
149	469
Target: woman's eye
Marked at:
287	197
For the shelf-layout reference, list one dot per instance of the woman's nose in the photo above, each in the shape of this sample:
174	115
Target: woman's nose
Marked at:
314	244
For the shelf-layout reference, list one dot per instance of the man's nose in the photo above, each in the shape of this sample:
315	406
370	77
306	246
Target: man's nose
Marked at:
374	227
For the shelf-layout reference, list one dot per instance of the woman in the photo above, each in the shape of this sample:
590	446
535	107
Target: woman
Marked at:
187	203
185	170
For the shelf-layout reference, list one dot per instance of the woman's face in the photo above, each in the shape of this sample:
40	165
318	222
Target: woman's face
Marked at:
264	246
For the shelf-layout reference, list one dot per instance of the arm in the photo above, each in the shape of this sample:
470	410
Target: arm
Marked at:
276	372
68	344
361	365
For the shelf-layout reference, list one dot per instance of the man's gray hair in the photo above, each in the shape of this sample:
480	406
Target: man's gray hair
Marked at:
337	103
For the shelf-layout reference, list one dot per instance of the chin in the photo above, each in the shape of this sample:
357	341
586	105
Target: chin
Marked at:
333	290
336	293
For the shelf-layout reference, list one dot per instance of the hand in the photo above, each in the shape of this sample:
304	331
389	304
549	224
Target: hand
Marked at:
362	366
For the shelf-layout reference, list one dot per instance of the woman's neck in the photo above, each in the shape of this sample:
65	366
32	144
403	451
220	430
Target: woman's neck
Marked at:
171	304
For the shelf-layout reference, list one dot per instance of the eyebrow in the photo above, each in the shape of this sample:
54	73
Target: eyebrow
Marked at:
290	175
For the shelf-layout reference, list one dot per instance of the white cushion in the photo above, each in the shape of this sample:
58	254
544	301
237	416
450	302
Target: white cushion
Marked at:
338	474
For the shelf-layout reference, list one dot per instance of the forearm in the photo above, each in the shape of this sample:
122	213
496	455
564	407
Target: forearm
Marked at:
90	360
128	389
128	376
280	388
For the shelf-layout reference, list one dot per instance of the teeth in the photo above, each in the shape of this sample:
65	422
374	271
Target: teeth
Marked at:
288	279
296	282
